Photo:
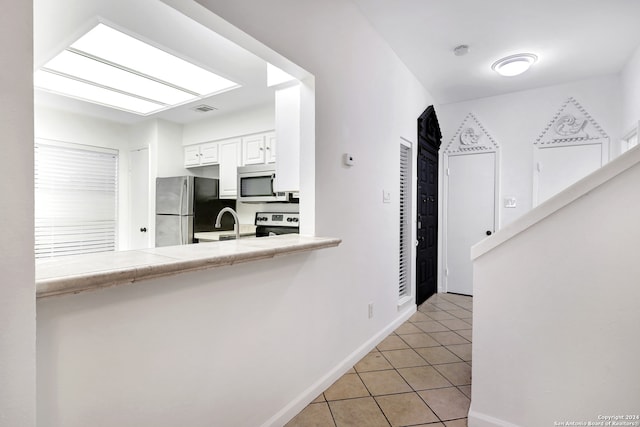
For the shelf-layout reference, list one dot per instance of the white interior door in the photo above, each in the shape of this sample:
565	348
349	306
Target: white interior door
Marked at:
139	230
470	214
559	167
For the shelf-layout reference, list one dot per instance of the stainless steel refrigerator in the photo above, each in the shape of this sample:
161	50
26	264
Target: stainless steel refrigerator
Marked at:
187	204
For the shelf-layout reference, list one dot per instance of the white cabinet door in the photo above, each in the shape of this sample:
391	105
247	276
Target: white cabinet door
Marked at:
209	153
271	148
253	152
191	156
470	214
229	161
141	229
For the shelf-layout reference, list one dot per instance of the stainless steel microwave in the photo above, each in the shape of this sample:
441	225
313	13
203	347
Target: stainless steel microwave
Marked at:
256	185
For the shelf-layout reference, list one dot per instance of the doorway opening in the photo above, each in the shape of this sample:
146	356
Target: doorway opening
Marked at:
471	162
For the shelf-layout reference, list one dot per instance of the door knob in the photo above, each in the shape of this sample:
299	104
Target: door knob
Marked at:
143	229
488	232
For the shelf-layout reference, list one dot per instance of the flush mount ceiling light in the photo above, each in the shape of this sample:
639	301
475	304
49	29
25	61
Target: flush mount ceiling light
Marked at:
514	65
108	67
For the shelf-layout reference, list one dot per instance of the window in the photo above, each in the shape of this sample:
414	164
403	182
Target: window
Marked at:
75	199
404	287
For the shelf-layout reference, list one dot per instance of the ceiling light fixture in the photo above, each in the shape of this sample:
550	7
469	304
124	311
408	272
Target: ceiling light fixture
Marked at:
108	67
514	65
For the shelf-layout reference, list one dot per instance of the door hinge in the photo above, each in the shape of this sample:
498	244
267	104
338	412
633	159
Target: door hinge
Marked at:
448	171
539	166
446	271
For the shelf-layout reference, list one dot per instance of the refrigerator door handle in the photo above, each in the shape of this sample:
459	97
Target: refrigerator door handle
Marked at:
183	190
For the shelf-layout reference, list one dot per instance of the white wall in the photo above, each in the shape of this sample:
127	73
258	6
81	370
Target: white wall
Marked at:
246	122
556	313
516	120
630	77
169	149
17	290
58	125
200	348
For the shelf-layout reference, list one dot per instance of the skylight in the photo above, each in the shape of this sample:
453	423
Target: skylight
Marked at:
108	67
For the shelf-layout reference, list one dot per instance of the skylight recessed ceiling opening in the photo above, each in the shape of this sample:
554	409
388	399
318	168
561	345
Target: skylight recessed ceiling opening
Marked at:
108	67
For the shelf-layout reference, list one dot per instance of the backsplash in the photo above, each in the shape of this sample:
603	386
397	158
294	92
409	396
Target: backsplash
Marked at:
247	211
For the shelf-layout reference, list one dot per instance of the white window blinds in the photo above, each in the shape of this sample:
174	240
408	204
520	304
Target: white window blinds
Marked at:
404	288
75	199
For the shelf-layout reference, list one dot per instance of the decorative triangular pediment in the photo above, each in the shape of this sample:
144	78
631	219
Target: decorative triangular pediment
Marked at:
471	137
572	124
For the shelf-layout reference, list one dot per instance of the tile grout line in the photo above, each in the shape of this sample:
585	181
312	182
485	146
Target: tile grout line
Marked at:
333	418
372	396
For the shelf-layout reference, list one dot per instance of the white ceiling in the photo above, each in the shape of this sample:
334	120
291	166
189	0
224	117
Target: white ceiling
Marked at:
574	39
58	23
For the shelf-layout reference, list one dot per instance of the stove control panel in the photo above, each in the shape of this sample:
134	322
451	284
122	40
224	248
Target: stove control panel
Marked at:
278	219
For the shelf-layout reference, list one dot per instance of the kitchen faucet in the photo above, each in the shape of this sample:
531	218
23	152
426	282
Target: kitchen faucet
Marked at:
236	225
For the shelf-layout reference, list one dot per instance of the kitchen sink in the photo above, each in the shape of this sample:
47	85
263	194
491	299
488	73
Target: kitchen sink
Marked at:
233	237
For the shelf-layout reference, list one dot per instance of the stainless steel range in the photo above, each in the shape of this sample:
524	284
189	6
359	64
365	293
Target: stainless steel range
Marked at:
274	223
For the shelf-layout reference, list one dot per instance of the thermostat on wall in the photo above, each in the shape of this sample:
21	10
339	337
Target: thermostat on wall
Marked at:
348	159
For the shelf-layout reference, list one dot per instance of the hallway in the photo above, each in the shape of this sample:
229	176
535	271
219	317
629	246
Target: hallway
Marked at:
420	375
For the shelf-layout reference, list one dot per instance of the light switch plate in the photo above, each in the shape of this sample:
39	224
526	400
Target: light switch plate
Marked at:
386	196
510	202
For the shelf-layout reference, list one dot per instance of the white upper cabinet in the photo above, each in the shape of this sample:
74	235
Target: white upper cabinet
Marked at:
253	150
230	153
230	157
201	154
191	156
209	153
270	146
259	149
293	104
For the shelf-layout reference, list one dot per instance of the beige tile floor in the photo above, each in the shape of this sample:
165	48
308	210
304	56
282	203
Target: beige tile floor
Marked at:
420	375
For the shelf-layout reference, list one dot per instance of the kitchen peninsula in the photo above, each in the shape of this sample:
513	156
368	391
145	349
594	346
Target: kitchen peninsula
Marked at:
80	273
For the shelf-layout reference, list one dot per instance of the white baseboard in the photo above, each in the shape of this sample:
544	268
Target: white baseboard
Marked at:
478	419
299	403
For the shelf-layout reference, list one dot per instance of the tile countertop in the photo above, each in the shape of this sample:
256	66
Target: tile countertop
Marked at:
79	273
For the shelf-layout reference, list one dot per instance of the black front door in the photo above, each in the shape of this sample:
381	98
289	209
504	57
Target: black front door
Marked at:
429	138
